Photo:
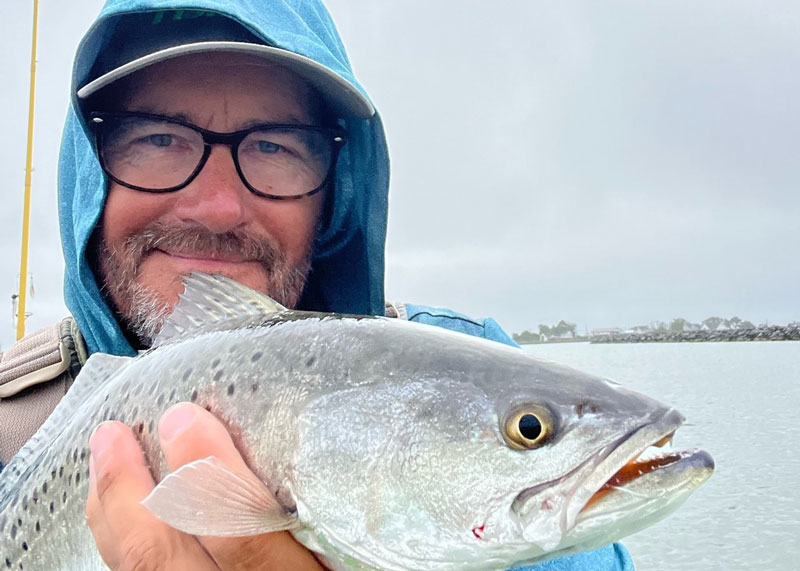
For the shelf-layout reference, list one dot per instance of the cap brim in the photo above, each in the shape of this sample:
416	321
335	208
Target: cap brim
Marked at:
342	97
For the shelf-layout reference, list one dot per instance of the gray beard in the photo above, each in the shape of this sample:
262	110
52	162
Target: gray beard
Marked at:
142	310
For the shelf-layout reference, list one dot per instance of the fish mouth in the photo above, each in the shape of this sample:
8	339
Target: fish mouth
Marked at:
647	463
639	482
623	487
641	455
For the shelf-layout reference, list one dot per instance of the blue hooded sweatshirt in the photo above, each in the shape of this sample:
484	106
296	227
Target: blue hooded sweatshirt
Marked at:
348	260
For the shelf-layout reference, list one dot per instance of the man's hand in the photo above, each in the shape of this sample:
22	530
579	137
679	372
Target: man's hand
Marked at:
130	538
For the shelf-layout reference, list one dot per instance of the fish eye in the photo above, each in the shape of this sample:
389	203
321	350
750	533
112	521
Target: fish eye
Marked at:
528	427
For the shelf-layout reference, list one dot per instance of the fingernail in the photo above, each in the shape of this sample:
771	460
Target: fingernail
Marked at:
175	421
101	439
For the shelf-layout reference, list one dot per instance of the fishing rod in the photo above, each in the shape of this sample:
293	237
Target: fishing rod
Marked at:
26	210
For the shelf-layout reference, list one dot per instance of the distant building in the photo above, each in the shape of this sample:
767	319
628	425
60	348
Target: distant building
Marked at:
565	335
605	331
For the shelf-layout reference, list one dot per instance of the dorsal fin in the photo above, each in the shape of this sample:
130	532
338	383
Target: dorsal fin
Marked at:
214	303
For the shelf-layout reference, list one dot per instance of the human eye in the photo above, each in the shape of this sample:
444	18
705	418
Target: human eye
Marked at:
159	140
268	147
146	135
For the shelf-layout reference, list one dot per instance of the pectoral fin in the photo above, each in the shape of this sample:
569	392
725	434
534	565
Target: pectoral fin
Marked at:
206	498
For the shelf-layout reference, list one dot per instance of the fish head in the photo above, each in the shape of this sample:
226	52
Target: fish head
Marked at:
591	462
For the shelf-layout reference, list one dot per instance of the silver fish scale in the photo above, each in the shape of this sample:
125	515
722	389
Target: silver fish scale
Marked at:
344	419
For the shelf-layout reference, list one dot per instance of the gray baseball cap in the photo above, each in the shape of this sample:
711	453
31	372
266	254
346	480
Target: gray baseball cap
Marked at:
142	39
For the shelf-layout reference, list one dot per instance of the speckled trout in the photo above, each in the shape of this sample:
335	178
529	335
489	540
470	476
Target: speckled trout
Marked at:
379	443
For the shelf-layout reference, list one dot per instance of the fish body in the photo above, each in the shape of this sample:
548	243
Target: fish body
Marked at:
388	444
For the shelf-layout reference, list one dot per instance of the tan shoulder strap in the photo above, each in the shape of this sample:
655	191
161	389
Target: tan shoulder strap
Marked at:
35	374
396	309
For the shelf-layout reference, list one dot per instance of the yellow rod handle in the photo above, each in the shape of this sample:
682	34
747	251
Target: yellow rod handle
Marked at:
26	211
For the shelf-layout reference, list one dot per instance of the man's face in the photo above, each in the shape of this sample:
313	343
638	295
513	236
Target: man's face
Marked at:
215	224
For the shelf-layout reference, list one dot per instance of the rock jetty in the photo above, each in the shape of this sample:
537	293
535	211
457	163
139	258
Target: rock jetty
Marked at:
763	333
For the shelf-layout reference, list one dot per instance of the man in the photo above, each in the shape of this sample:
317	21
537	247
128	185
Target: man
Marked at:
230	140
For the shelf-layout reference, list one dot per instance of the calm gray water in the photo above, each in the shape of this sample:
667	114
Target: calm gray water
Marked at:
742	403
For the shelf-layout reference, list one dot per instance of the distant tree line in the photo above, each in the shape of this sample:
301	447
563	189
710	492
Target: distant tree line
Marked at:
680	324
561	330
566	330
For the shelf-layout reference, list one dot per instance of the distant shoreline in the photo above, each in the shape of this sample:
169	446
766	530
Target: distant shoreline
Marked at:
768	333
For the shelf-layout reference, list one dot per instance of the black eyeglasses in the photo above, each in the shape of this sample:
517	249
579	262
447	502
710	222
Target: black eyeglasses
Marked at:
153	153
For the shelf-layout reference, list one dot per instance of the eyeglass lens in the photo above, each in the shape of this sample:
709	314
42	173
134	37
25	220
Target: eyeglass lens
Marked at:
161	154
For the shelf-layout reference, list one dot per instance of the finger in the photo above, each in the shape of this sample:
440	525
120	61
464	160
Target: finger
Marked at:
127	535
189	432
96	520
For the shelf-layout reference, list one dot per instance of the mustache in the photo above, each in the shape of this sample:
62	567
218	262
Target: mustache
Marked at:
161	236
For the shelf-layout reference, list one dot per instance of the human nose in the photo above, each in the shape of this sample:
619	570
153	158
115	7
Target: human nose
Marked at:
216	197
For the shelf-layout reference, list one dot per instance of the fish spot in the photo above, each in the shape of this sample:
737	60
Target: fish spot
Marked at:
19	522
64	498
25	502
25	545
254	387
53	474
8	562
52	507
218	375
44	486
35	497
256	356
2	524
194	396
140	427
187	374
231	388
61	472
311	360
77	478
83	454
150	427
215	363
69	480
13	531
38	526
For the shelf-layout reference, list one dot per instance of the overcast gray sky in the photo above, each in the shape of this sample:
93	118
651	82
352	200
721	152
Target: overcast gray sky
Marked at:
608	163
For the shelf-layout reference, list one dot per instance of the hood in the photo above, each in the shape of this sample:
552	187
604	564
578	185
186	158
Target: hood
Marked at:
348	262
